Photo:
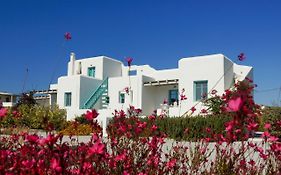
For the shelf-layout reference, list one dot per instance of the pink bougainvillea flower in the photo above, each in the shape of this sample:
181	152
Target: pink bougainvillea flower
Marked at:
273	138
32	138
97	148
265	134
129	61
193	109
183	97
154	127
55	165
126	173
127	90
204	111
3	112
252	126
67	36
267	126
241	57
90	115
171	163
251	162
234	105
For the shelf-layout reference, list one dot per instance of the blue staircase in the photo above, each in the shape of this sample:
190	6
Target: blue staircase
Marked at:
101	91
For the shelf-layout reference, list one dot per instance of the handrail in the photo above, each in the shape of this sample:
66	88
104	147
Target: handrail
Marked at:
100	90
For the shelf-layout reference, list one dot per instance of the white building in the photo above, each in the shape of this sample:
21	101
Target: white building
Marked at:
99	83
8	99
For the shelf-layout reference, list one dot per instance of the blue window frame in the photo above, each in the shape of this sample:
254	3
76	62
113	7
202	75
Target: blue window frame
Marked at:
67	99
121	97
132	72
91	71
173	96
200	89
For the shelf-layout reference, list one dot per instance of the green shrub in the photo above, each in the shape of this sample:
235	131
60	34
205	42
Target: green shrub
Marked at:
191	128
35	117
271	115
74	128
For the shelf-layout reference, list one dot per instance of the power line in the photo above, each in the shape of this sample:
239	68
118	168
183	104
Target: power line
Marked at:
267	90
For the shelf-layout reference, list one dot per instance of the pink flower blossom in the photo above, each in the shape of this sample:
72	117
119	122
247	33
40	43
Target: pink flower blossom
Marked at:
3	112
234	105
97	148
171	163
154	127
193	109
252	163
67	36
204	111
55	165
127	90
273	138
165	101
183	97
267	126
90	115
129	61
265	134
241	57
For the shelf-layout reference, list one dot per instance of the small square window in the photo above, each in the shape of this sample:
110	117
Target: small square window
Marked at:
91	71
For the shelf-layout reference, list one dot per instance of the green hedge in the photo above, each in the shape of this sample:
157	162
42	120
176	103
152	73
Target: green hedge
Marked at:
191	128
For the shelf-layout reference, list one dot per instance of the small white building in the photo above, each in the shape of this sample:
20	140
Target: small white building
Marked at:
100	82
8	99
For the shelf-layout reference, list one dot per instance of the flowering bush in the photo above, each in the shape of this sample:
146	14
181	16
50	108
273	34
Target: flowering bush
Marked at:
134	146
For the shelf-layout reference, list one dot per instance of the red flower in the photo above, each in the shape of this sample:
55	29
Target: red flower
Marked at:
183	97
90	115
171	163
67	36
55	165
129	61
234	105
241	57
3	112
267	126
204	111
251	162
97	148
165	101
193	109
126	89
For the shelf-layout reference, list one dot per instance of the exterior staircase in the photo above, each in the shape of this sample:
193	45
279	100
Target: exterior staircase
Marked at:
100	92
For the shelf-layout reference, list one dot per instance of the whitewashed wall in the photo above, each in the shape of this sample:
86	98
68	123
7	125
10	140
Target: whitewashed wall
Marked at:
210	68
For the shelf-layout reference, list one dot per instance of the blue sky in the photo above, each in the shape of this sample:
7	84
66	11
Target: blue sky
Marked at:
154	32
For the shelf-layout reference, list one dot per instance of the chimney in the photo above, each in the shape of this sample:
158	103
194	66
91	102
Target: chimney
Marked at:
71	64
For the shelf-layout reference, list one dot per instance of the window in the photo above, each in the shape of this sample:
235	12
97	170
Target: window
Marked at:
173	96
91	71
67	99
200	90
121	97
107	99
132	72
